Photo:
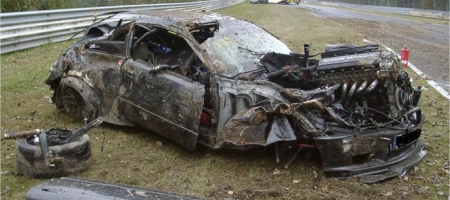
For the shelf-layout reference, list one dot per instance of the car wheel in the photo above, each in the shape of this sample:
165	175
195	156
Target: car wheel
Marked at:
70	158
78	99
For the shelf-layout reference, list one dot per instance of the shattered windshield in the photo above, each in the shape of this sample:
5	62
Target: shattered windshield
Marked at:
238	45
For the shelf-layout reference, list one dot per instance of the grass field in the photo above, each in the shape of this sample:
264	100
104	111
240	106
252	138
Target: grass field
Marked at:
139	157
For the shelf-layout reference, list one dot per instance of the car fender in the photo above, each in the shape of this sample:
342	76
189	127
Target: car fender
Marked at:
85	90
58	68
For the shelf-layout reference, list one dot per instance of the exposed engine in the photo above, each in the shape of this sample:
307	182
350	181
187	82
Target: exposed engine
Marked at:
373	90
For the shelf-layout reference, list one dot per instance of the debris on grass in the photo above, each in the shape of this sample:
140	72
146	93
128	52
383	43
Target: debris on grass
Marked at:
389	193
6	190
422	189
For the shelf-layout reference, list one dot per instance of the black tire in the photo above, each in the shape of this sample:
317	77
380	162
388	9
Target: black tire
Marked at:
78	99
73	158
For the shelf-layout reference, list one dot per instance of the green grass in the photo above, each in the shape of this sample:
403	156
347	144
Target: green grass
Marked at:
139	157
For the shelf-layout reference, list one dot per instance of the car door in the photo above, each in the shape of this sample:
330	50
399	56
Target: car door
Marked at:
163	101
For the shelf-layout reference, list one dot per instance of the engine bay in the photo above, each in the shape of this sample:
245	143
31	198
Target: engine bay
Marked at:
373	89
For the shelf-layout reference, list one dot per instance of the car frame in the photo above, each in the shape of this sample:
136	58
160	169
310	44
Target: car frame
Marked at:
205	78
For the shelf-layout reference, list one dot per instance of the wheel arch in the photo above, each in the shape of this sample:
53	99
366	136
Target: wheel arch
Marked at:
88	94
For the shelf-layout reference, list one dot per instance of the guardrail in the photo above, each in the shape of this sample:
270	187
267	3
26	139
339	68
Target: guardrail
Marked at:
22	30
386	9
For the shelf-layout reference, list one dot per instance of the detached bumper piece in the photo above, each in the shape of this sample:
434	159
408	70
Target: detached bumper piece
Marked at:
75	188
373	157
397	169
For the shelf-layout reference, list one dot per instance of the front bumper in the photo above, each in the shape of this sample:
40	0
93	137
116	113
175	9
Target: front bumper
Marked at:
372	156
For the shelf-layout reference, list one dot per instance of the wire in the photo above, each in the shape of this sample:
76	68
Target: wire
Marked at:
379	112
101	149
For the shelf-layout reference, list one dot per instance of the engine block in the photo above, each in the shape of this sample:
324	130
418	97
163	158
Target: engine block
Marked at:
358	67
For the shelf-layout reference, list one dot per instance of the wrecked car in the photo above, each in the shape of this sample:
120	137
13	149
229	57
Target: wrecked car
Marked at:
205	78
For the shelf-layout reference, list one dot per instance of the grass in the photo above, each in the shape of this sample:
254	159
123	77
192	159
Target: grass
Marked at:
139	157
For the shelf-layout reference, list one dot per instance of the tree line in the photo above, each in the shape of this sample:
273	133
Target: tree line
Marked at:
33	5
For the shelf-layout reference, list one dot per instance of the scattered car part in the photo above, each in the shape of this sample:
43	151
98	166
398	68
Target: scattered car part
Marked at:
66	159
77	188
259	1
56	152
279	1
237	86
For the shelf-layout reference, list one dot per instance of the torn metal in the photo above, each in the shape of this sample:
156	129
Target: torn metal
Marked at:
205	78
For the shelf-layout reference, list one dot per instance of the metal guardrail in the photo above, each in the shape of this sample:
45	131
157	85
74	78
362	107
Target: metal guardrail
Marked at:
22	30
386	9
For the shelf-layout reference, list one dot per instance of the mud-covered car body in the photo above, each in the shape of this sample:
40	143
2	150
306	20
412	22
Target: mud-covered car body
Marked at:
226	83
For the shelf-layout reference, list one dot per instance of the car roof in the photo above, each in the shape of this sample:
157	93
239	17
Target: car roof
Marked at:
228	62
177	18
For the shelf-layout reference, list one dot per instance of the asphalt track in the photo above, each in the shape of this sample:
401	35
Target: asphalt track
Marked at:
428	43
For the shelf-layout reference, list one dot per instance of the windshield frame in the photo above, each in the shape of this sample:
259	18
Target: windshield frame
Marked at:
238	45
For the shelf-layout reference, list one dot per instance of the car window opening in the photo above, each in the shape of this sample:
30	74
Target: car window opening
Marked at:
111	41
158	46
120	33
204	32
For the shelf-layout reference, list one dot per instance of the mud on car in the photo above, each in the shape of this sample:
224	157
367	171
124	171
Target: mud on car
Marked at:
205	78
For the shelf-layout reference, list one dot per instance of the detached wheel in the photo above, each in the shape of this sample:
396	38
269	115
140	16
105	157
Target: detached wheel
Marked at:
78	99
69	158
